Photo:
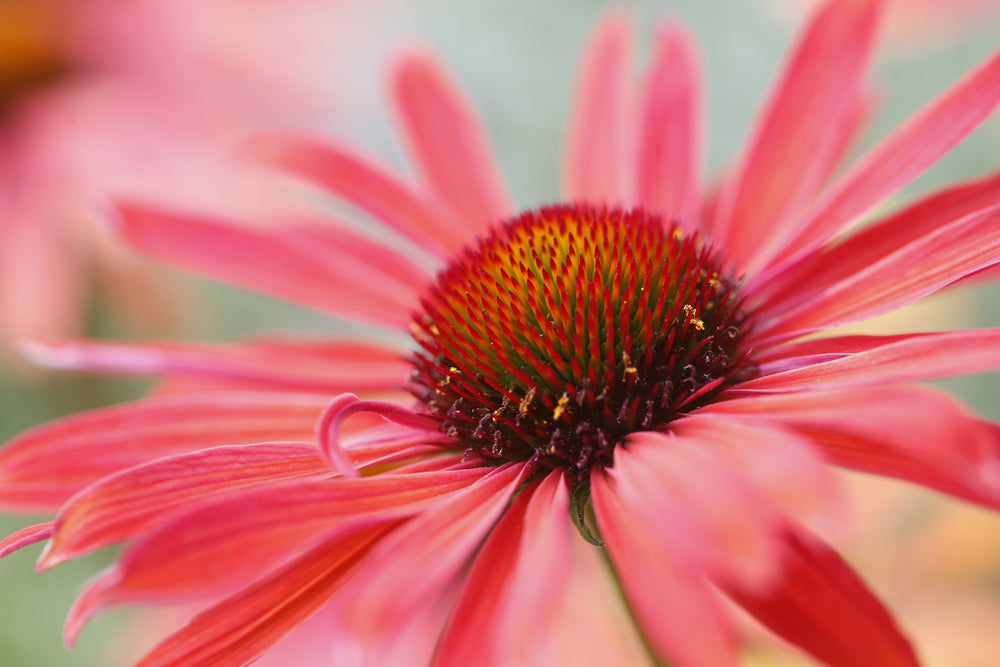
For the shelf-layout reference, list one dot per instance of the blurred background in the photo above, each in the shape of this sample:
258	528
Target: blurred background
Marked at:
150	98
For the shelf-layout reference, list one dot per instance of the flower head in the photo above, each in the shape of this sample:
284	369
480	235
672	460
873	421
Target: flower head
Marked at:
638	360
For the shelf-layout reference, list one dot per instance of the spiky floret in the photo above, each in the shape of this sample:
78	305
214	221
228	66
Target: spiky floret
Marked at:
569	327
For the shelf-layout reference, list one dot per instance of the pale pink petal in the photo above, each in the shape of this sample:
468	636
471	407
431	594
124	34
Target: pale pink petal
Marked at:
907	432
821	606
912	272
437	545
923	357
896	160
124	504
595	158
676	610
670	135
800	134
515	585
42	468
330	270
220	545
833	264
294	365
448	144
370	187
25	537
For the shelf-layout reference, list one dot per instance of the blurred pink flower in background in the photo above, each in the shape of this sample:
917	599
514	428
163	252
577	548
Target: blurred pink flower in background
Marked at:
651	374
145	97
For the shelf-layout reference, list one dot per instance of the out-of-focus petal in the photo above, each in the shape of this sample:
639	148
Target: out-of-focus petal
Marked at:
42	468
337	272
595	159
800	134
293	365
670	132
448	144
515	585
821	606
25	537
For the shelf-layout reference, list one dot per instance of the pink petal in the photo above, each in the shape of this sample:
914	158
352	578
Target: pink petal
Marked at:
448	143
898	159
124	504
796	355
670	136
42	468
411	568
515	585
822	607
222	544
329	367
912	272
595	159
676	610
832	265
370	187
243	626
800	134
922	357
25	537
907	432
330	270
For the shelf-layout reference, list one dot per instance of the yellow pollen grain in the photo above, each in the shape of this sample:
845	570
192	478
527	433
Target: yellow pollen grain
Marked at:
522	409
698	324
560	407
678	234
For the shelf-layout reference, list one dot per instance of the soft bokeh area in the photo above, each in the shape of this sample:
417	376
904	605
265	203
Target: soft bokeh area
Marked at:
95	105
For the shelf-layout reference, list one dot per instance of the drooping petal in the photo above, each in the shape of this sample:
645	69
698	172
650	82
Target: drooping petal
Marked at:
221	545
448	144
295	365
908	432
816	350
370	187
920	357
42	468
437	545
25	537
595	158
670	133
515	585
800	134
821	606
897	160
913	271
124	504
333	271
671	600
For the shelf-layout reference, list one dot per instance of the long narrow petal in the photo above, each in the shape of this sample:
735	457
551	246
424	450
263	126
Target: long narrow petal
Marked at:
42	468
370	187
800	134
837	263
223	544
670	135
595	159
821	606
448	143
335	272
126	503
908	432
438	544
243	626
898	159
515	585
25	537
673	603
296	365
924	357
916	270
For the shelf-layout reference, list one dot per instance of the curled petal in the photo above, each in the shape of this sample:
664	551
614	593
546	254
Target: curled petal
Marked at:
25	537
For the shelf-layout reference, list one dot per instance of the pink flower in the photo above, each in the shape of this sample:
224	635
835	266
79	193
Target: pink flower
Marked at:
640	362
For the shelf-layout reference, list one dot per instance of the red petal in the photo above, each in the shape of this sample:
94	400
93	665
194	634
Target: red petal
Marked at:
670	139
25	537
822	607
800	134
42	468
448	143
